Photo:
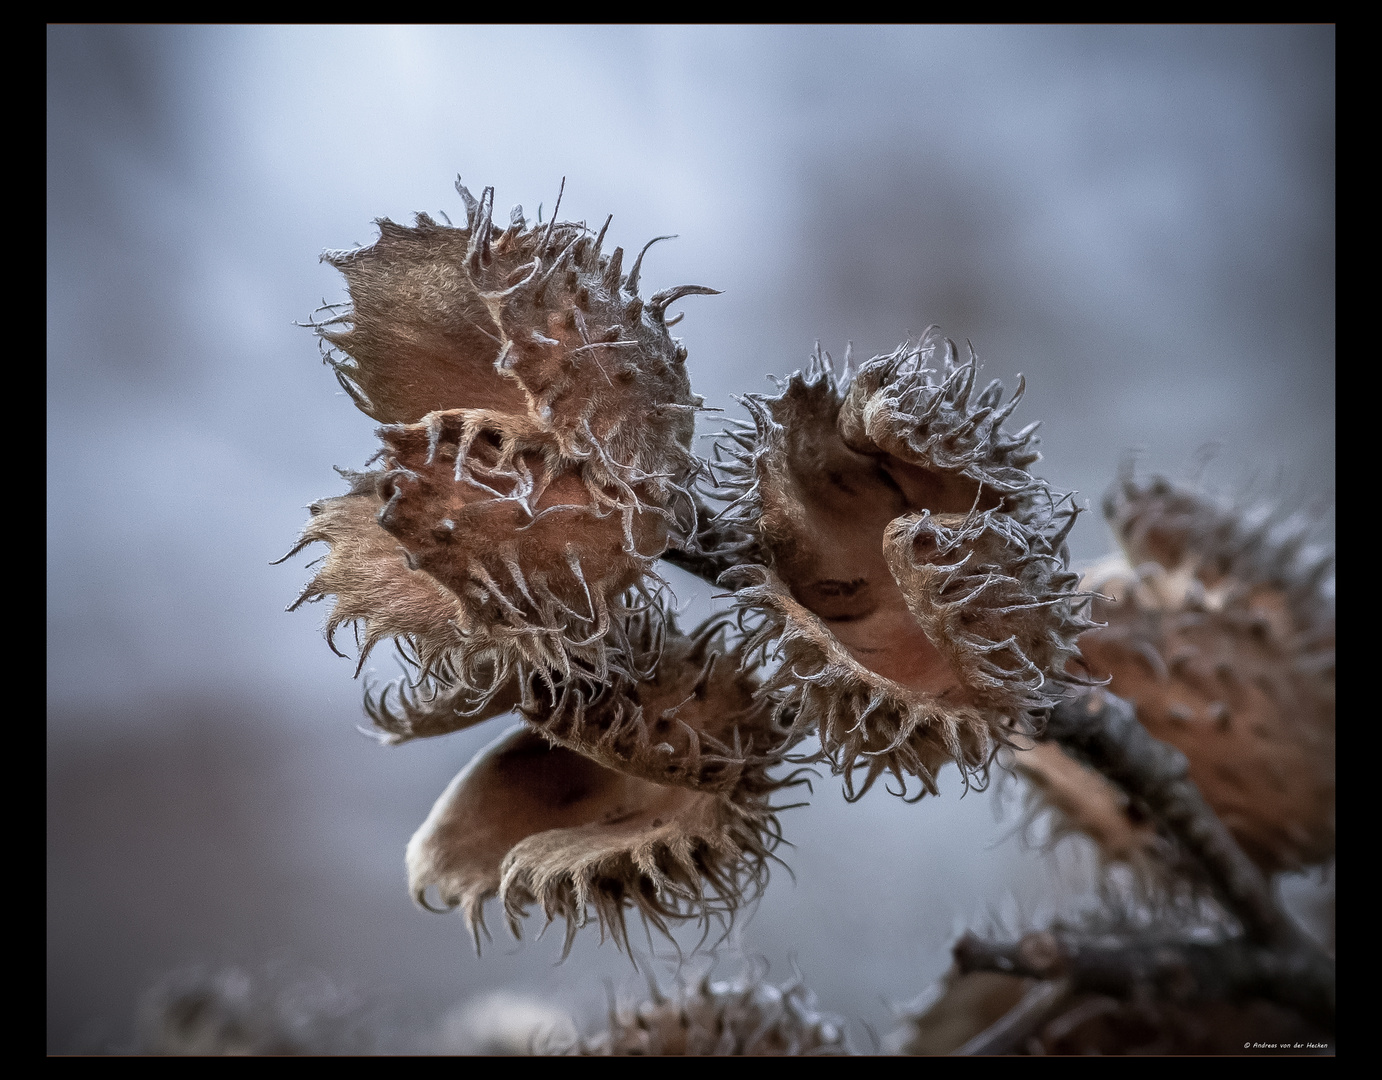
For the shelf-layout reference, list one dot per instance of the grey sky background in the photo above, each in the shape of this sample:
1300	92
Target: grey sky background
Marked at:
1140	220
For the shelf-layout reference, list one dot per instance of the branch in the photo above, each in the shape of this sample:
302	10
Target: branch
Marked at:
1179	971
1103	731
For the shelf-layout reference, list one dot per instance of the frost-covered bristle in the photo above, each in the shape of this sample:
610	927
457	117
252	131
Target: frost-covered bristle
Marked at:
911	572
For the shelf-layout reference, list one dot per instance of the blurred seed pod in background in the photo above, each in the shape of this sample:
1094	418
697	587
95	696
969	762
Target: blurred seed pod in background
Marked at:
1221	632
744	1017
1076	800
906	567
274	1010
537	454
653	797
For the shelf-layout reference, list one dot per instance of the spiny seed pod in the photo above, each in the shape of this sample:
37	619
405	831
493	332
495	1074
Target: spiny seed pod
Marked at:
1253	557
538	456
526	322
385	595
1227	651
747	1017
913	575
535	567
693	717
655	798
375	589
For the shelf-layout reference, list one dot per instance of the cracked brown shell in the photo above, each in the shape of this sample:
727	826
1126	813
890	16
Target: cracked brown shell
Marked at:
652	798
537	451
1220	629
745	1017
907	568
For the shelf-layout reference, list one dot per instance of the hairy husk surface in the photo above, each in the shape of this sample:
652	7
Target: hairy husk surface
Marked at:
746	1017
653	797
537	444
907	569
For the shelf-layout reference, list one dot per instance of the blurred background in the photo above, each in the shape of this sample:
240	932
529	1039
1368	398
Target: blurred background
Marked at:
1140	220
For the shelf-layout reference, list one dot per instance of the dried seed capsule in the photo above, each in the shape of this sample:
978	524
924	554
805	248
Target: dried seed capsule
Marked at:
538	447
746	1017
610	820
531	322
367	573
691	716
912	574
1223	638
385	595
537	564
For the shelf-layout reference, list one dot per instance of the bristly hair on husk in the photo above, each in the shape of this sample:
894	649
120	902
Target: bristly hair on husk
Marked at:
692	715
1220	630
907	568
531	322
537	443
654	796
746	1017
